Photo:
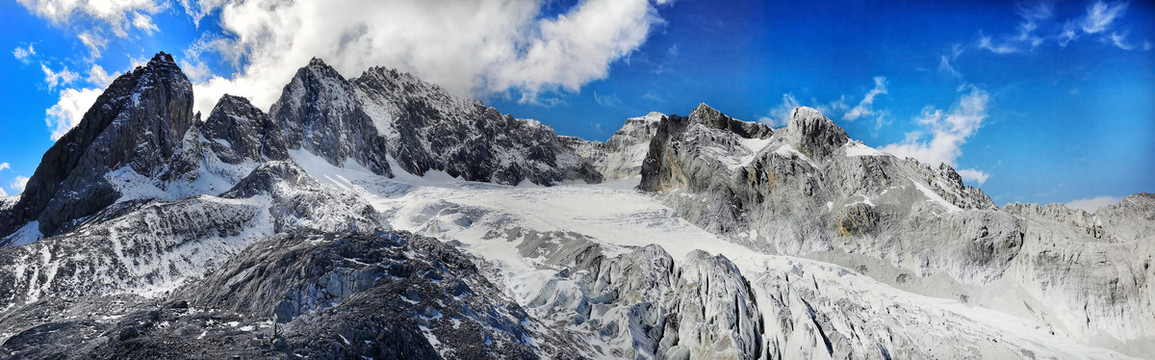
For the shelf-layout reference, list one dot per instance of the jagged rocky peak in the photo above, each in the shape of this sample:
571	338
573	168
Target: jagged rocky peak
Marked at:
138	123
625	151
240	132
685	149
427	128
319	112
816	135
714	119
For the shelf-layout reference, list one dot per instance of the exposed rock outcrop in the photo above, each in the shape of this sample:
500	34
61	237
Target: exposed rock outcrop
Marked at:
137	125
429	129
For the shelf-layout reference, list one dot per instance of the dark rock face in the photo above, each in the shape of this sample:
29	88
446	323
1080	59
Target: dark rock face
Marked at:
138	122
382	296
429	129
238	132
319	112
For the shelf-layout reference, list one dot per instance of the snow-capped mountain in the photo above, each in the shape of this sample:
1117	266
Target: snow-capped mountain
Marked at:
381	217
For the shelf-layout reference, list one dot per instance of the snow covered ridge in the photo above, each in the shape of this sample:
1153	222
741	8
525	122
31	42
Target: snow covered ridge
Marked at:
382	217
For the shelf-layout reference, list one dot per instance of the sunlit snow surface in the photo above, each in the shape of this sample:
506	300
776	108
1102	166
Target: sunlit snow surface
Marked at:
868	313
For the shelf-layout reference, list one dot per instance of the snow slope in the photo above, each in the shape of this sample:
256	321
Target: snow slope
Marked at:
810	309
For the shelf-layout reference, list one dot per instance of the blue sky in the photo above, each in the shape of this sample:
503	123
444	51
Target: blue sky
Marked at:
1036	101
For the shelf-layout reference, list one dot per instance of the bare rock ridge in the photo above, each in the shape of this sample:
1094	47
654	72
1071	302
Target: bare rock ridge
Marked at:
427	128
807	190
243	133
138	122
318	112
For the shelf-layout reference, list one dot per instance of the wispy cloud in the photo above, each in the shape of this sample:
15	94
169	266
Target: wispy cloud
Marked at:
55	78
1092	204
1120	41
1036	28
1101	15
610	100
5	166
780	115
866	106
94	42
943	133
24	54
986	43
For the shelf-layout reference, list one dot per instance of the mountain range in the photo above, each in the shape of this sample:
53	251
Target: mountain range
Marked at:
383	217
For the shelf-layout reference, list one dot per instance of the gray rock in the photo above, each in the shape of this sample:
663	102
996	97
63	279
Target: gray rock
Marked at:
138	123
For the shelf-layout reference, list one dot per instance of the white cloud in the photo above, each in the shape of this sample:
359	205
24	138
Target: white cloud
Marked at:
1100	15
973	175
19	183
94	42
1099	18
1092	204
1003	48
1120	41
948	131
112	15
4	166
55	78
199	9
945	67
780	115
865	107
97	76
2	193
24	53
68	111
143	22
470	47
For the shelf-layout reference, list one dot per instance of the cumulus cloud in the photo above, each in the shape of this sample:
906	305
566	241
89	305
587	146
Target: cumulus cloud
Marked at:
111	15
1092	204
2	193
55	78
67	112
865	107
5	166
974	175
474	48
944	133
24	53
18	184
97	76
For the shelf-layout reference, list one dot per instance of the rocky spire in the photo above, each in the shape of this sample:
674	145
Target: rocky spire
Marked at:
138	123
242	132
318	111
